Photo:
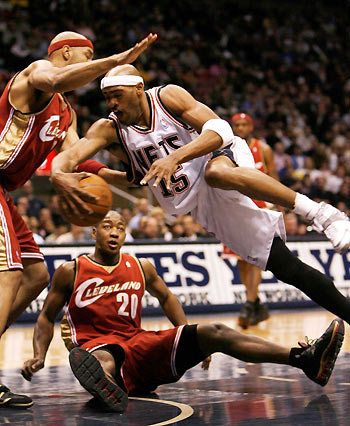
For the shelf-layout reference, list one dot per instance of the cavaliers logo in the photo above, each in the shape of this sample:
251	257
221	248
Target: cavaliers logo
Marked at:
92	289
51	130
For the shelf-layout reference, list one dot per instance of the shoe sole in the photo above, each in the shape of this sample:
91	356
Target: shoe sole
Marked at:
244	322
16	405
260	319
331	352
89	372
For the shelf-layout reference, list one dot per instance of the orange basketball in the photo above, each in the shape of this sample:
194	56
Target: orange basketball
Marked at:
97	186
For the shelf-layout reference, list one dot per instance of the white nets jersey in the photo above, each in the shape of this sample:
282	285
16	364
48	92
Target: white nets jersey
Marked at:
232	217
165	135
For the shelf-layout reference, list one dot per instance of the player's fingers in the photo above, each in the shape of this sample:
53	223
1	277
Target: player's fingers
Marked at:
83	175
167	181
75	206
26	375
147	41
38	365
148	176
85	196
157	181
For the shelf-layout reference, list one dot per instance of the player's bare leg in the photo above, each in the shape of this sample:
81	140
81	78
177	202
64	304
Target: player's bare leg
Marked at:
316	359
9	285
251	278
253	311
335	225
95	372
222	173
220	338
34	279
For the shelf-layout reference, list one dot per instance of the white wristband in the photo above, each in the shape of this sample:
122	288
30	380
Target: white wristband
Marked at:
222	128
305	207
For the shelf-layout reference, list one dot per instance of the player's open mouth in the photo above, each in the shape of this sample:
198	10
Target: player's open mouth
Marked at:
113	244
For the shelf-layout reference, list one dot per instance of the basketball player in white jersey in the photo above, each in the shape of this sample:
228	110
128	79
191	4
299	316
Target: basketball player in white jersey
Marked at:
156	134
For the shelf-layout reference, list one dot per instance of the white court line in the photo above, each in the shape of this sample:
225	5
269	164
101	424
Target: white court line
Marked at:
186	410
281	379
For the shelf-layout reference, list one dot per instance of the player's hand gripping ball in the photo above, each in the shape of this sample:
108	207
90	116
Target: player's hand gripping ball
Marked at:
95	185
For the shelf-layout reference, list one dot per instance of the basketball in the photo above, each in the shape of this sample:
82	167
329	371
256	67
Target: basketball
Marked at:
95	185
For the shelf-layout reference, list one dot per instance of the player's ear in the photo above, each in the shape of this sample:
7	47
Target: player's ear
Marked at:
94	233
139	88
66	52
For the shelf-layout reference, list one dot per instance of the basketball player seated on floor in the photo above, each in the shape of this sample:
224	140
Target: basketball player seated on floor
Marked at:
113	357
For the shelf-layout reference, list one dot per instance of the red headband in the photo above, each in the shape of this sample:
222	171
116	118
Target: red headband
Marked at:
73	42
242	116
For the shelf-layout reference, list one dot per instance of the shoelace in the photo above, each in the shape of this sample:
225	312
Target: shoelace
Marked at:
307	344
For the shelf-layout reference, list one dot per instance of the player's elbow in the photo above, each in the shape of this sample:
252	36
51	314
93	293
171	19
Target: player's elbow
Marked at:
58	84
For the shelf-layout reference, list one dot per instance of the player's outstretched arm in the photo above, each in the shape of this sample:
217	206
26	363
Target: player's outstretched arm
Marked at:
62	284
157	288
100	135
44	76
182	104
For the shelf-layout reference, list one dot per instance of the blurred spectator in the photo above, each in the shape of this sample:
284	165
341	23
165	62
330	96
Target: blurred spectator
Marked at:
291	223
58	231
280	157
22	205
140	231
190	228
298	157
77	234
151	229
126	214
46	224
289	177
176	230
33	224
141	208
35	203
56	216
159	214
318	190
336	179
343	195
306	185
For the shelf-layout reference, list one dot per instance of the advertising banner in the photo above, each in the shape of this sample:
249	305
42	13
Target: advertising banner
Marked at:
204	281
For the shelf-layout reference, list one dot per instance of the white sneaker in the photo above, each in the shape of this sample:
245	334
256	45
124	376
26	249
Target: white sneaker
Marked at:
335	225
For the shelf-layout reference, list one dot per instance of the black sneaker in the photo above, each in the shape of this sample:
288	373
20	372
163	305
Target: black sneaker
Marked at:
261	313
88	370
13	400
246	315
317	358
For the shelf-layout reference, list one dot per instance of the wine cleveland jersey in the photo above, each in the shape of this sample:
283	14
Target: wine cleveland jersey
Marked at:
165	135
106	301
255	147
27	139
260	164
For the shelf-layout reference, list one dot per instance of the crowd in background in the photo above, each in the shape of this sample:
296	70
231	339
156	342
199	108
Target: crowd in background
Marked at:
280	62
143	222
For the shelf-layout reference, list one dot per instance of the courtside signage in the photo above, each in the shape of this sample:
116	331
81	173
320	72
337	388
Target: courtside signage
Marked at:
203	281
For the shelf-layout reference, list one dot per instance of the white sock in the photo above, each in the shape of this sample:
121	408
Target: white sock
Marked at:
305	207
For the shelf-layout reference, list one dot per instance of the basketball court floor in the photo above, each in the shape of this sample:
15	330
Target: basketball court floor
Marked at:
230	393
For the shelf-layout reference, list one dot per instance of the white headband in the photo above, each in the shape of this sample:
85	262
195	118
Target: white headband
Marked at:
120	80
